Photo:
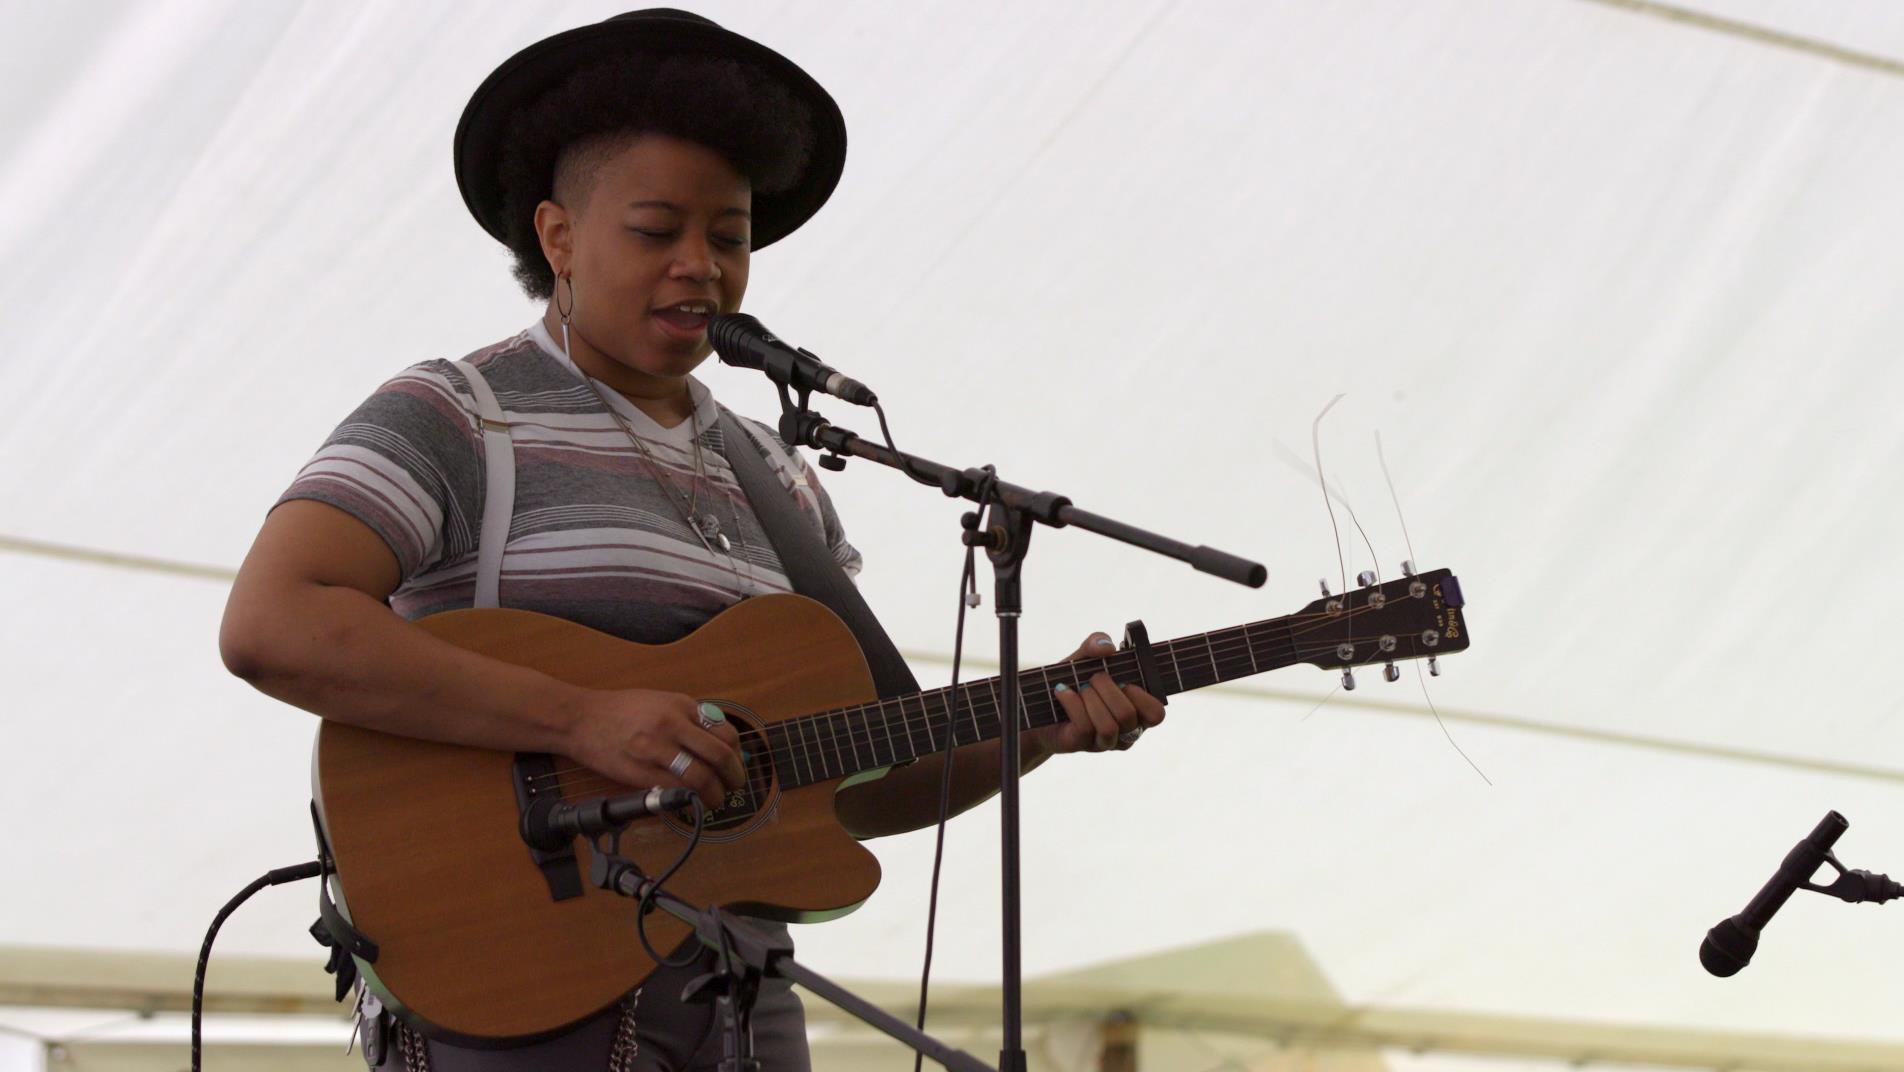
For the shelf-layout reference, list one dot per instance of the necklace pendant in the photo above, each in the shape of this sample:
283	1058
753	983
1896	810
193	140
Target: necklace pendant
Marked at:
709	527
720	540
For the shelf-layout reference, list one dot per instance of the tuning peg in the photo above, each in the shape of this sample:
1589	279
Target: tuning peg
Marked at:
1408	567
1324	585
1391	673
1434	667
1365	578
1348	680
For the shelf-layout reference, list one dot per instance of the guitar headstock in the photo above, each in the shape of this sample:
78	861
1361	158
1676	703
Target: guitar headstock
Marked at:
1415	617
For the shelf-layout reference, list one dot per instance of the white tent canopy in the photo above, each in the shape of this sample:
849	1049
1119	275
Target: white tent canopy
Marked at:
1615	287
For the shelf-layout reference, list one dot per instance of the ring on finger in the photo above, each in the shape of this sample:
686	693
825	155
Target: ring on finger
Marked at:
680	763
1129	736
709	715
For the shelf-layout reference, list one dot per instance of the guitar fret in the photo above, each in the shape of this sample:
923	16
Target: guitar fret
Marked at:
776	759
998	706
892	750
1199	682
806	750
925	709
912	745
1171	650
1288	630
949	701
1249	645
840	754
1216	672
829	757
856	727
779	740
885	724
852	740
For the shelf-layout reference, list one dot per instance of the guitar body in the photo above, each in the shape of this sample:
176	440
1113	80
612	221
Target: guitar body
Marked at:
473	945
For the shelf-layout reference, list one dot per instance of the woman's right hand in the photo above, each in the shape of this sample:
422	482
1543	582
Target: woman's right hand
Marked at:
633	735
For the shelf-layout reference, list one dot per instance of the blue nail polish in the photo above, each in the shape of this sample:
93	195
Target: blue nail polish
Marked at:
1061	687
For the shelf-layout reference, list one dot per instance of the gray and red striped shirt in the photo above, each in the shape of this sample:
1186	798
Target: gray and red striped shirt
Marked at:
593	539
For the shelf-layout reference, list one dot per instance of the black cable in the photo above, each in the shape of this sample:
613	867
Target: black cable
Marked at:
646	904
968	583
278	877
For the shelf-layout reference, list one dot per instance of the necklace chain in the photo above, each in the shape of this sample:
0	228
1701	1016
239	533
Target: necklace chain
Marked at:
654	466
707	531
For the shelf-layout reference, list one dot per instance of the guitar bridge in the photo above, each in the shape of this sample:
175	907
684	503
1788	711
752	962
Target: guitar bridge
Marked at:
534	773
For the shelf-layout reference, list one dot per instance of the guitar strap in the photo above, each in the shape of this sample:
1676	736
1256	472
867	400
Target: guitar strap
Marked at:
808	563
499	498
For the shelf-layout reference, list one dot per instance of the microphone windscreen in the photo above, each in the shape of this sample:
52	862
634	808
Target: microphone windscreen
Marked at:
1728	947
729	334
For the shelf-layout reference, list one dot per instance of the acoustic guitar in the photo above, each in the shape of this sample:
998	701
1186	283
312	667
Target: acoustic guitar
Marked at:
483	939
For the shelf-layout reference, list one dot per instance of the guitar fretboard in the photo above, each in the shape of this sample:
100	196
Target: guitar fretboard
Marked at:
834	744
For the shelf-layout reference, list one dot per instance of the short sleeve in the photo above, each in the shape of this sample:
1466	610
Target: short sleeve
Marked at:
408	464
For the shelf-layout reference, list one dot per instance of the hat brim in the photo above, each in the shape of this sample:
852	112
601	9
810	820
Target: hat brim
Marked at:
525	76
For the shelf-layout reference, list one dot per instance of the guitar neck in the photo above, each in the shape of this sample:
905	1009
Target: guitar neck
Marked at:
833	744
1416	616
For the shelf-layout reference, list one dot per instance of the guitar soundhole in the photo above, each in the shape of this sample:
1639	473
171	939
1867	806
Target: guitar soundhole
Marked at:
744	808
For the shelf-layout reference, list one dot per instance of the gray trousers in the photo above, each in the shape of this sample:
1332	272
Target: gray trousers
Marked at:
673	1036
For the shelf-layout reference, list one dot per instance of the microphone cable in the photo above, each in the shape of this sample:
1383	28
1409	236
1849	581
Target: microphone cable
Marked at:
968	591
646	904
276	877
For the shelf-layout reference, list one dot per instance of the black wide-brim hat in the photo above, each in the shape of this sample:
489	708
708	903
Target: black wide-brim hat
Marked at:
528	74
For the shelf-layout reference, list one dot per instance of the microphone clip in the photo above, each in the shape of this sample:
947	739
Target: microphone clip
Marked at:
1856	887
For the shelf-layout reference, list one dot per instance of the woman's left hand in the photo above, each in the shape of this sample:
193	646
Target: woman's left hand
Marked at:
1102	715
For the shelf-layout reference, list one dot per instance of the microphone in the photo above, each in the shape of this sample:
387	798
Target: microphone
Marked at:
745	342
1729	946
549	822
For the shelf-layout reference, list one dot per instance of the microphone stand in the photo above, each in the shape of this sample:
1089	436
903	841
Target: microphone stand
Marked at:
1005	534
745	957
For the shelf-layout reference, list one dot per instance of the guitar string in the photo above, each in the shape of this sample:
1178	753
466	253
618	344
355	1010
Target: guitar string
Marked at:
827	748
1237	645
1236	653
1235	650
986	712
830	765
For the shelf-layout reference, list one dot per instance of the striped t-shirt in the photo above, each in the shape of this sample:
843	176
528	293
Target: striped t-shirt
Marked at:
593	537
